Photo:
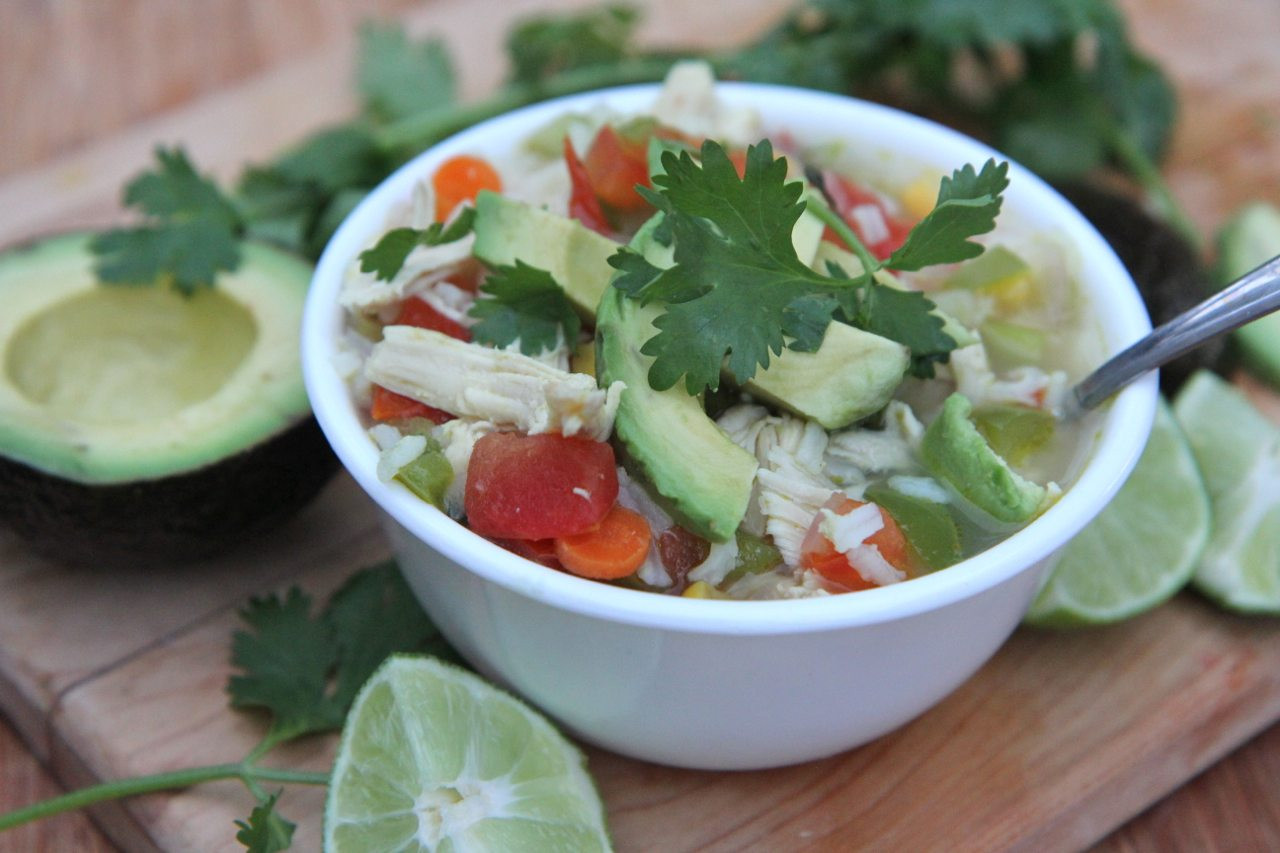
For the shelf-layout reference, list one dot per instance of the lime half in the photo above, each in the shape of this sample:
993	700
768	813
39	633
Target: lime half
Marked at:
1142	548
434	758
1238	449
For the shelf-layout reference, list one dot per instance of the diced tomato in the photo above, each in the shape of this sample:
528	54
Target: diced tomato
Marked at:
538	486
817	552
847	198
387	405
460	179
615	164
416	311
680	551
541	551
584	206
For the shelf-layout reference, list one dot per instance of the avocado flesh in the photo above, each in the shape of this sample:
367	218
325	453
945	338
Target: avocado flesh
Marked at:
852	375
138	425
115	384
703	479
957	454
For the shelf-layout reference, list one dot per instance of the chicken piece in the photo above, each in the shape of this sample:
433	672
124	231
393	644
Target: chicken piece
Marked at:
508	389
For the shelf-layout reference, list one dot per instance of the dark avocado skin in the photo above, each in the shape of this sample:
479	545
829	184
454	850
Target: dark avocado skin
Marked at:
172	520
1166	268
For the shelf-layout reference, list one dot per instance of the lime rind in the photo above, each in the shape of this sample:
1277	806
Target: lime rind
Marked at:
433	757
1142	548
1238	450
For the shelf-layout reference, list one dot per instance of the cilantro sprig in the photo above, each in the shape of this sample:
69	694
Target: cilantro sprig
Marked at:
524	304
303	670
737	293
386	258
1063	110
190	234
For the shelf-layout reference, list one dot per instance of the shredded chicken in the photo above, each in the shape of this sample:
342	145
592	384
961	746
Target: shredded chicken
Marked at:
1027	386
506	388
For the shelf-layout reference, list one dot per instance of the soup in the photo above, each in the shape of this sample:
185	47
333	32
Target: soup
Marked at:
775	368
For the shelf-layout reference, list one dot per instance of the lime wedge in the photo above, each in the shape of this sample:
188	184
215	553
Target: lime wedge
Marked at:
1238	449
1141	549
434	758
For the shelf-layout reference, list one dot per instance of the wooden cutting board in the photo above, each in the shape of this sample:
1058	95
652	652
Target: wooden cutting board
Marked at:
1058	740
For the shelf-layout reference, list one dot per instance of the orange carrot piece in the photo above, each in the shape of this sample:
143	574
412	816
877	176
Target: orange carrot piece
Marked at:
612	549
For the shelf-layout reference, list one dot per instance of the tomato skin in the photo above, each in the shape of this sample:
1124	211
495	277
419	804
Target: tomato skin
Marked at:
522	486
614	166
416	311
817	552
847	196
541	551
584	206
388	405
460	179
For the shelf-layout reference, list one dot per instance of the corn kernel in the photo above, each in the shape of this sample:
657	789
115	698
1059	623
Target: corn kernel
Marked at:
702	589
583	358
918	197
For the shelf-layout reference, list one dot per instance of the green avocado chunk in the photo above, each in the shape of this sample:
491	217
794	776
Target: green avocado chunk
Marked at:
508	230
140	425
703	479
852	375
956	453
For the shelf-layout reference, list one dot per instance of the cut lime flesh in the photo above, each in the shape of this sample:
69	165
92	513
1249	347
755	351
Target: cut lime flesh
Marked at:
1141	549
434	758
1238	450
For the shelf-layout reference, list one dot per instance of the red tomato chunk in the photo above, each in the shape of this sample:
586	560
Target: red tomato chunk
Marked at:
389	406
538	486
817	552
415	311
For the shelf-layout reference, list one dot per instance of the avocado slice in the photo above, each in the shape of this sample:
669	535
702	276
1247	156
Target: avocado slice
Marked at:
852	375
139	424
957	454
577	257
703	479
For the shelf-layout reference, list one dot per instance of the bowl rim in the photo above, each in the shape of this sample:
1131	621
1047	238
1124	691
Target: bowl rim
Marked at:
1119	440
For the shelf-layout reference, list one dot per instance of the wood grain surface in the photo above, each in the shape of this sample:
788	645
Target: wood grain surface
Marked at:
86	89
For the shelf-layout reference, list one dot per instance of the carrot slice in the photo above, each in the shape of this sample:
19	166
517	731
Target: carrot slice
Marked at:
612	549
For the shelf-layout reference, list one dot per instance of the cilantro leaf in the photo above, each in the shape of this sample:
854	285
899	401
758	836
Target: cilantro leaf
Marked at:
287	659
373	616
305	669
968	203
265	831
907	317
190	235
298	200
388	255
737	292
524	303
547	45
398	78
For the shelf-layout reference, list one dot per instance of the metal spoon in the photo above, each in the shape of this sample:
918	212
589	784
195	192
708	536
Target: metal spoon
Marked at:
1248	298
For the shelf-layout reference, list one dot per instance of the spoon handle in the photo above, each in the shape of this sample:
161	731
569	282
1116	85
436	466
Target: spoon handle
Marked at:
1248	298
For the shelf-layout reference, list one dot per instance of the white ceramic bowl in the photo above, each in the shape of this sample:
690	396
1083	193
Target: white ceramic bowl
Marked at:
729	684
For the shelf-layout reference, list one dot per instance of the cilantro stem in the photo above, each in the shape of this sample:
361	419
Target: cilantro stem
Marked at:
419	130
836	223
1152	180
173	780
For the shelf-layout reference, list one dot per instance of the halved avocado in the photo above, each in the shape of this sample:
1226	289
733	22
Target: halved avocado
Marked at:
138	424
